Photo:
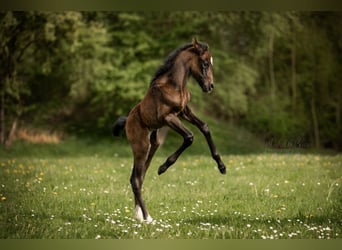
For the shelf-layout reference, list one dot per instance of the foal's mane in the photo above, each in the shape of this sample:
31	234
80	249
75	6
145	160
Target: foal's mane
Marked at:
170	59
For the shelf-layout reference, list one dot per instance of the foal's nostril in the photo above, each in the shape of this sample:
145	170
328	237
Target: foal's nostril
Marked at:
211	85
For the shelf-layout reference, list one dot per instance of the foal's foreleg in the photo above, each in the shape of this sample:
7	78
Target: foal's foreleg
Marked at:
174	123
203	127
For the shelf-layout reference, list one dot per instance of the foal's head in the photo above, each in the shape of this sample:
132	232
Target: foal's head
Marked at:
202	65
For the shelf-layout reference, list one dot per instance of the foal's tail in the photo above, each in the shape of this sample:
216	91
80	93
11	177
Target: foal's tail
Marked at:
119	125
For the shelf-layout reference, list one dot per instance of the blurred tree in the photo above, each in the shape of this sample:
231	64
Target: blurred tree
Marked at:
277	73
37	51
18	33
318	69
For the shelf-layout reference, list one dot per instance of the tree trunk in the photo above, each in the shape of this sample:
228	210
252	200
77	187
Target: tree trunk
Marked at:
338	140
9	140
293	71
2	117
271	66
315	121
338	113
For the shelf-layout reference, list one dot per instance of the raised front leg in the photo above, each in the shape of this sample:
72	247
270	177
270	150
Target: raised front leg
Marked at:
203	127
174	123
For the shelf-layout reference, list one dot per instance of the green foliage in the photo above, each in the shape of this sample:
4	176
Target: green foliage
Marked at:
275	121
236	85
275	73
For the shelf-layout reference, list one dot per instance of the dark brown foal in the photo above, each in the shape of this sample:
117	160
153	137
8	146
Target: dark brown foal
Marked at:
167	100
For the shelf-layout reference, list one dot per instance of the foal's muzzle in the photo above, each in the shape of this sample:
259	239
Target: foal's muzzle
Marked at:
208	88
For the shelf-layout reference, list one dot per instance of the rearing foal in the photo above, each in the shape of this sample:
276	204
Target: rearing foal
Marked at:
166	100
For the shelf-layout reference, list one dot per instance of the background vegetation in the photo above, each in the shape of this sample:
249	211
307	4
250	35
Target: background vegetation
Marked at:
277	73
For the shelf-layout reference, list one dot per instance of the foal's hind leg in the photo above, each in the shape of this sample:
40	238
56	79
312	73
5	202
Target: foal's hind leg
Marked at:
154	142
140	146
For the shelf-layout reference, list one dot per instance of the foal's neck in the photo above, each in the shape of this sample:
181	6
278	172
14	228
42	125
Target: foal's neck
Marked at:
181	70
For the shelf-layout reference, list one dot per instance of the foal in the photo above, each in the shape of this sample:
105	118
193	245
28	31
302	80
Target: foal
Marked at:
166	100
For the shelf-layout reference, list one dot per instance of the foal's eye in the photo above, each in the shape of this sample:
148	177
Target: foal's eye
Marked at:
205	64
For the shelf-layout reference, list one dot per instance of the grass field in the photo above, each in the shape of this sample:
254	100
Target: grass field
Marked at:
79	189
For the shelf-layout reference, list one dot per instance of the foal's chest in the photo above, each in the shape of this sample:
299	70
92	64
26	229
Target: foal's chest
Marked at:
177	99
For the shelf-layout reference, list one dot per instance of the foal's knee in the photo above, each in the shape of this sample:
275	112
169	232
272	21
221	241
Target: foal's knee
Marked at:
188	140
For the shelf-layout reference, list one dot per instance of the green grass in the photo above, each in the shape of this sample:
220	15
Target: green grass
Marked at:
80	189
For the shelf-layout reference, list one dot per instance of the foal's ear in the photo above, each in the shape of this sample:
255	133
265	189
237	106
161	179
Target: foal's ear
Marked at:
195	43
197	46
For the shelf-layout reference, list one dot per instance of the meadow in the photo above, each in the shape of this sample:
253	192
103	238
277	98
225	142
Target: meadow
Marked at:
79	189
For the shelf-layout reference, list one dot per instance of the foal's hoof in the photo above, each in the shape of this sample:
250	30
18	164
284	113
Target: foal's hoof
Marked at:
139	216
162	169
148	220
222	168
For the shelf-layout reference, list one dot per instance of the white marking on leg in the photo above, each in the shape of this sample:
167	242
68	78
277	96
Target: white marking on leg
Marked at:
140	217
149	219
138	213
